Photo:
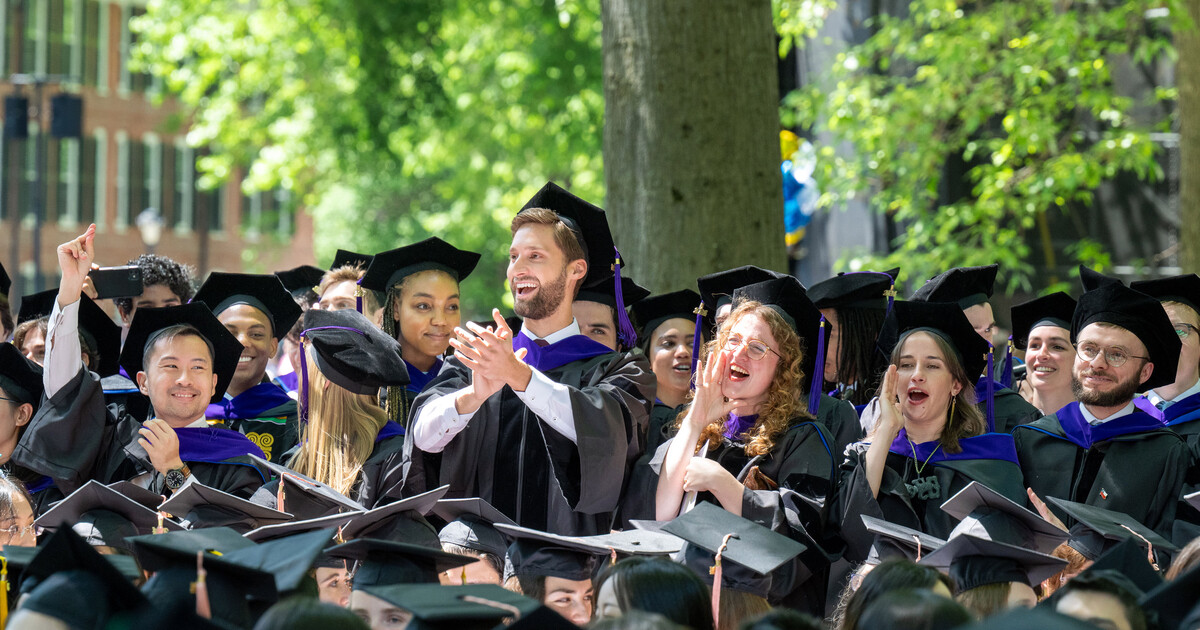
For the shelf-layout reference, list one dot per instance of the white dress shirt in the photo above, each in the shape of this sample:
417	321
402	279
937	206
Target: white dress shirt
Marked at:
1162	403
1094	421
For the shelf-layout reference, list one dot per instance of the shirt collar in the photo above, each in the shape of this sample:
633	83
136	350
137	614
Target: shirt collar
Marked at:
1093	420
556	336
1155	399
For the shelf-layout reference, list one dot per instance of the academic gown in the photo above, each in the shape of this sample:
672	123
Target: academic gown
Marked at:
916	481
637	503
841	419
1011	409
801	463
1132	464
528	471
74	437
1183	418
265	414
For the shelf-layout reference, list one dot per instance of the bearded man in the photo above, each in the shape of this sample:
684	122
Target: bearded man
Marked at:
1102	450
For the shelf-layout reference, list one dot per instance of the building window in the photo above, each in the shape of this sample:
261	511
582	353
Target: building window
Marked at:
152	174
99	207
123	216
102	44
60	28
66	200
87	180
91	43
137	180
123	52
185	187
74	23
25	207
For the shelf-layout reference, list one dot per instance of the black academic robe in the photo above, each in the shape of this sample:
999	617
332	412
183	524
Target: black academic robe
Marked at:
74	437
637	503
265	414
912	490
1183	418
1132	464
840	417
801	464
1010	408
530	472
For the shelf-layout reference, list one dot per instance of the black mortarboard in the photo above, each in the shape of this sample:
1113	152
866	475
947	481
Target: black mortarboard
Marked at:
352	352
1038	618
1174	601
942	318
105	515
1090	279
199	505
589	224
392	266
382	562
717	288
469	607
1108	527
1129	558
20	378
300	280
633	542
262	291
401	520
1055	309
1141	315
752	545
148	322
1193	499
856	289
965	286
892	540
973	562
230	585
605	292
291	528
306	498
288	559
156	551
651	312
5	282
142	496
347	258
102	334
1184	289
471	523
66	551
540	554
985	513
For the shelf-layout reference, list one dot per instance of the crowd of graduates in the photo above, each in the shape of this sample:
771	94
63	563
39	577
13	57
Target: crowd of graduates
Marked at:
342	448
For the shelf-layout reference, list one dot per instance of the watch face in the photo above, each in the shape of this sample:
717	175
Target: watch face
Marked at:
175	479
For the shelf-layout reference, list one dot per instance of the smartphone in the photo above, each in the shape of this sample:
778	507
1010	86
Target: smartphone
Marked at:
117	282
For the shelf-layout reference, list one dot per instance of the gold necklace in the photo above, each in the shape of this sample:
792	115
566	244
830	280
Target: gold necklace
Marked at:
921	468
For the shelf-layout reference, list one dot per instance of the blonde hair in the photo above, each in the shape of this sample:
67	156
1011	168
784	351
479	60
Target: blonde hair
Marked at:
350	273
340	433
784	400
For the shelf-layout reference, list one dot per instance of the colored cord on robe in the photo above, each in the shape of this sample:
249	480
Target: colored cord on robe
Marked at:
1006	375
203	607
697	337
3	591
358	296
1149	547
627	333
918	541
817	378
991	390
715	571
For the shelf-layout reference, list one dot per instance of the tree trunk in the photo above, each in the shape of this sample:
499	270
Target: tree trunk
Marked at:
691	137
1187	73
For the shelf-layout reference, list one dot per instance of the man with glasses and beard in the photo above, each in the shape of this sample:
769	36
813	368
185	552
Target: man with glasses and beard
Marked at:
1102	450
539	423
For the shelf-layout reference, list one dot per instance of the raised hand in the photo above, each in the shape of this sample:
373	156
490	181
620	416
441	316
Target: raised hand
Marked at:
161	444
489	354
709	403
1044	510
75	261
890	418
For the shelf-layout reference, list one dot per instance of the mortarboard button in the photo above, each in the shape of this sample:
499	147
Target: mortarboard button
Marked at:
855	289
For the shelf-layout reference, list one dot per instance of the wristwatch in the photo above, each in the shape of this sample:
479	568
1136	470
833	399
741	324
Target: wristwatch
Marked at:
177	476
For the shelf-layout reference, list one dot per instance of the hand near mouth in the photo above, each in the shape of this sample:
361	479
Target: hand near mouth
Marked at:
709	402
890	418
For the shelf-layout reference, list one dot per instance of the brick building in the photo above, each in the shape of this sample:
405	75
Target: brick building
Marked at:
132	156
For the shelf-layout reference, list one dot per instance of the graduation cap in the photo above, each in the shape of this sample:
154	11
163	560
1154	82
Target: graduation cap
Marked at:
588	222
401	520
787	297
1055	309
20	378
306	498
1184	289
390	267
103	516
95	325
289	559
1174	601
1098	529
230	586
470	607
149	322
985	513
1141	315
737	539
649	313
199	505
973	562
716	289
535	553
352	352
156	551
965	286
261	291
382	562
5	282
1090	279
892	540
58	567
1130	559
636	543
856	289
347	258
470	523
300	280
146	498
943	319
1039	618
606	292
291	528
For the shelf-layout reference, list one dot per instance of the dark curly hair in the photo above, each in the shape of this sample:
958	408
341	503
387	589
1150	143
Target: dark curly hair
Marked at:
161	270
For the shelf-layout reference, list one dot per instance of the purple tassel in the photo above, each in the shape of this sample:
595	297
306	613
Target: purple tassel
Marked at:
991	391
358	295
303	381
697	334
818	378
1006	375
627	334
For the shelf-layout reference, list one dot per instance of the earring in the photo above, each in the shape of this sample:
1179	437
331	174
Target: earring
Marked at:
953	402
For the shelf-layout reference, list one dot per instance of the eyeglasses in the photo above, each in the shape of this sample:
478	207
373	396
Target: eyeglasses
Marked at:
1115	357
16	531
11	400
1183	330
755	349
